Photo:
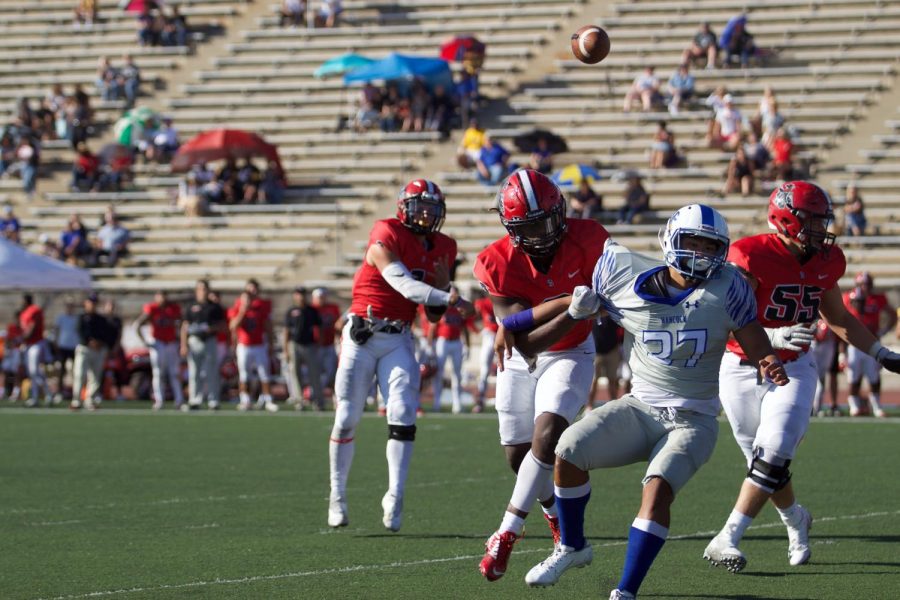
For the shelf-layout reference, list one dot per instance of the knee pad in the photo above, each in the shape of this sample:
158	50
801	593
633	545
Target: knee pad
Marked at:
402	433
769	471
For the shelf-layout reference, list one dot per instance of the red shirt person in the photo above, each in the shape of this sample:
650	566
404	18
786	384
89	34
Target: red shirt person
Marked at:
330	313
31	320
164	318
251	325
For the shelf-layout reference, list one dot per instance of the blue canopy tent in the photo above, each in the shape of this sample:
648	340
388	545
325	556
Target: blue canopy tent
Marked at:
434	71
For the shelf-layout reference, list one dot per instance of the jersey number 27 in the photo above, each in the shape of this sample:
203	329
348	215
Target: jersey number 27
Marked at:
666	342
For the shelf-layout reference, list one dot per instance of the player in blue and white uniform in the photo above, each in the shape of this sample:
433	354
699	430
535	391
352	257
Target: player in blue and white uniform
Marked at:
677	315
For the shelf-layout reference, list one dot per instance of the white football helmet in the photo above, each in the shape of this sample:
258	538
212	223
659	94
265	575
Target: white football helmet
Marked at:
694	220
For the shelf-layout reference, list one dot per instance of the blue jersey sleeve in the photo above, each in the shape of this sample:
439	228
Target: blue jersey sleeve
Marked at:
740	302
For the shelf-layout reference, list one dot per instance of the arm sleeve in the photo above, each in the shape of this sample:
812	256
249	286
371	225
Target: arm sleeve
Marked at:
398	277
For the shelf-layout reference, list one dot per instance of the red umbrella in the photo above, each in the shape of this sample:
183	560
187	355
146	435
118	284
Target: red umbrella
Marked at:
457	48
139	5
223	143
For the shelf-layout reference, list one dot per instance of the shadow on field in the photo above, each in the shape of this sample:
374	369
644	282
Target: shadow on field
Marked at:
885	539
717	596
476	536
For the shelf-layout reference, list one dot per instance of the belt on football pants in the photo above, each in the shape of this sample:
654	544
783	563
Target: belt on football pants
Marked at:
391	329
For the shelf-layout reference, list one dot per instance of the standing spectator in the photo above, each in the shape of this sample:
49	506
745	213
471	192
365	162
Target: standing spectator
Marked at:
31	320
107	79
469	150
541	158
854	213
783	155
301	349
448	339
293	13
66	336
330	314
662	151
680	87
637	200
164	318
645	88
199	330
130	80
585	203
85	169
329	13
73	241
85	13
12	361
492	165
727	131
741	174
703	46
112	241
9	224
90	355
251	324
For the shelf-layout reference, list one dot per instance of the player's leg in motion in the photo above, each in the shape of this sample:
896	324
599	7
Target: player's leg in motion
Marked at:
485	362
437	381
398	378
353	379
455	353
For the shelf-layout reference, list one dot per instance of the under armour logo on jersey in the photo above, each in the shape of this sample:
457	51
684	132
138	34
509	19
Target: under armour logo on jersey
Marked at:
694	304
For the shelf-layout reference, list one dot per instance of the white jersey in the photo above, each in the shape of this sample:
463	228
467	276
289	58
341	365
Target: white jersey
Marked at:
673	344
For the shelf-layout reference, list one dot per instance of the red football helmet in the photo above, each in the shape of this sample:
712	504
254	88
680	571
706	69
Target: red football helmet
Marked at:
864	281
857	297
533	211
802	211
421	207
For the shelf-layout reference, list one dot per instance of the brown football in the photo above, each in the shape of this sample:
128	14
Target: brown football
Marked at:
590	44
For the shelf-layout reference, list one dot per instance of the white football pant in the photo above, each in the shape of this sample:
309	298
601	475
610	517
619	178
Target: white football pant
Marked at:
860	364
444	349
253	358
485	360
165	361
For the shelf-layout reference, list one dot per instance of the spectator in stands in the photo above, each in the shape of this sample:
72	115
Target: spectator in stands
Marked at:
727	130
116	173
737	44
329	13
757	153
492	164
9	224
541	158
49	248
147	33
85	13
645	88
740	175
27	161
79	116
440	111
55	103
662	151
681	87
418	108
73	242
191	198
394	109
272	185
854	212
85	169
249	177
232	191
468	94
66	336
24	114
174	29
7	152
585	203
637	200
704	46
782	155
469	149
164	143
129	78
768	119
107	79
370	105
293	13
112	241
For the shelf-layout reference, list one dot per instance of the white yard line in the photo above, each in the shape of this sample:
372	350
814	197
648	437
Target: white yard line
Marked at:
405	564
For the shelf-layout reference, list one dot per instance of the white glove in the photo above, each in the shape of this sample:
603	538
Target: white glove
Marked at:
794	337
585	303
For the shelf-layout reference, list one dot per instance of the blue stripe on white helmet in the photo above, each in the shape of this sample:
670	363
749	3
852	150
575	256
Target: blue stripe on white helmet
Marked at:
695	220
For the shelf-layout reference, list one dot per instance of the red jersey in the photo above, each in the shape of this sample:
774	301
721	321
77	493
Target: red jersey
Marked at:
224	337
32	314
451	325
506	272
324	334
789	292
252	330
13	335
164	320
485	309
370	288
870	315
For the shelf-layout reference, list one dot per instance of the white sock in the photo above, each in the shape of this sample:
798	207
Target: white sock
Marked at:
790	516
513	523
534	479
736	525
875	402
245	398
853	401
551	510
265	398
398	457
340	457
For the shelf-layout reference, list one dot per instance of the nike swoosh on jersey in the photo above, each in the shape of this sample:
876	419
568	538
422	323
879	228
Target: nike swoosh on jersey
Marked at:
573	274
823	276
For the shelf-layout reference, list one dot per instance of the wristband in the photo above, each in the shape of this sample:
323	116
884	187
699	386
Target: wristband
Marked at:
878	351
521	321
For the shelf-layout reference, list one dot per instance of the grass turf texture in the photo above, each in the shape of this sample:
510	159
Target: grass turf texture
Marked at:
234	506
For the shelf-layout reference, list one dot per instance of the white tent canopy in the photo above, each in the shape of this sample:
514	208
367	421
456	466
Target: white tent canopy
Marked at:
22	270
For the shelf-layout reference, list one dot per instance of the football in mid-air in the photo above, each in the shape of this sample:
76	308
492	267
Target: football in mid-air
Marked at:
590	44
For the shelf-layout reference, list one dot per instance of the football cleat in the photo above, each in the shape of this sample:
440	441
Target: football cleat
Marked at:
271	406
548	571
798	538
243	406
496	554
620	595
337	513
553	524
393	511
721	552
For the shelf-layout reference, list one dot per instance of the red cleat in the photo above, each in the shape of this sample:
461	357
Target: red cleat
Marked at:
496	554
382	411
553	524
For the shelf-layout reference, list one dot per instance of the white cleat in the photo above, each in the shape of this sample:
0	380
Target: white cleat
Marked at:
548	571
721	552
393	511
620	595
337	513
271	407
798	538
243	406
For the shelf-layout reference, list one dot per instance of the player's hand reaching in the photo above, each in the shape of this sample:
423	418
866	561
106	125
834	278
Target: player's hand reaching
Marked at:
585	303
465	308
794	337
772	369
503	345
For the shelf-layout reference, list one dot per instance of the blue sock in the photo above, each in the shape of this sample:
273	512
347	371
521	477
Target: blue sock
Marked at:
570	505
645	540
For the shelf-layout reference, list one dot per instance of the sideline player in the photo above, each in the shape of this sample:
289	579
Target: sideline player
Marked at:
546	382
164	317
485	309
677	315
794	273
250	321
31	320
825	352
868	307
406	263
446	339
330	313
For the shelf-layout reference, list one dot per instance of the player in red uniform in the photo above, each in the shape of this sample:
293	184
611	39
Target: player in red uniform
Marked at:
485	309
446	341
794	273
31	320
546	382
330	313
251	324
868	307
164	318
407	263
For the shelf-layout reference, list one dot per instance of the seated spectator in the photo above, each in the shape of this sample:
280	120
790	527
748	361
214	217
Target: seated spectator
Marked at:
468	94
107	79
9	225
329	13
395	109
175	29
756	152
146	28
637	200
680	87
854	213
112	242
27	161
585	203
129	78
48	247
704	47
249	177
370	104
85	170
782	155
191	198
7	152
54	103
768	118
541	158
645	88
726	133
741	174
492	164
739	44
73	241
662	151
79	117
441	111
85	13
272	185
115	174
293	13
418	107
470	147
232	190
164	143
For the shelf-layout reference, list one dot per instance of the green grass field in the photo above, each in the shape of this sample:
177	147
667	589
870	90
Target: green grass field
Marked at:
136	505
